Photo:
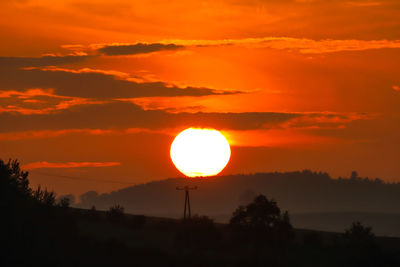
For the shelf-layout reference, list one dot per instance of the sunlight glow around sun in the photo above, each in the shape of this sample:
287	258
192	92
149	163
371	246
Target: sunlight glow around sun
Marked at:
200	152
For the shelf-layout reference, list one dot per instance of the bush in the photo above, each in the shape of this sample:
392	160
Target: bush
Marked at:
93	215
358	233
361	247
116	213
64	202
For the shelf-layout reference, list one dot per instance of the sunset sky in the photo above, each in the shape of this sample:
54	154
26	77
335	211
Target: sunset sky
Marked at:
92	93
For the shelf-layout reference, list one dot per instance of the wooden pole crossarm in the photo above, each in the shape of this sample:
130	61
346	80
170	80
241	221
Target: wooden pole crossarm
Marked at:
186	187
187	199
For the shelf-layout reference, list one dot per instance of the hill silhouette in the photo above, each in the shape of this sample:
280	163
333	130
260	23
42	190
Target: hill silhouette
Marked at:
314	199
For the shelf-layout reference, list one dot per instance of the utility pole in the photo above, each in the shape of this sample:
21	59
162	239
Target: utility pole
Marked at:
187	199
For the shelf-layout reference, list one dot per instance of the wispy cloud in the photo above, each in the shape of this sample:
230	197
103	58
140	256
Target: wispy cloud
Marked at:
45	164
302	45
14	62
326	120
38	101
25	135
365	3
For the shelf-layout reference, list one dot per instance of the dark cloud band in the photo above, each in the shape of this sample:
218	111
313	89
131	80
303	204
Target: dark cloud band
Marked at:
93	85
120	115
134	49
15	62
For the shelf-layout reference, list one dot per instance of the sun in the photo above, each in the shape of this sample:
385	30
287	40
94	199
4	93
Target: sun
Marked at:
200	152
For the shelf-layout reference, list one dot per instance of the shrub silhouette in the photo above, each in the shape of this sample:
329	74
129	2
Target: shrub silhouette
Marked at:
359	233
361	246
64	202
93	215
116	213
359	236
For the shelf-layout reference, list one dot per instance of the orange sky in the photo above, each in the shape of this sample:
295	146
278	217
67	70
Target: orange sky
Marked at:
97	90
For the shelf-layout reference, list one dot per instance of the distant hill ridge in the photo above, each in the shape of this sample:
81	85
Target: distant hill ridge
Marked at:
299	192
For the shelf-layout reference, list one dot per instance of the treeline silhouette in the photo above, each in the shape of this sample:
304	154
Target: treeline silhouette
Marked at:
39	229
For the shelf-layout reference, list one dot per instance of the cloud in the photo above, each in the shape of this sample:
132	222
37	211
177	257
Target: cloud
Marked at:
365	3
134	49
12	136
45	164
123	115
302	45
15	62
37	101
94	84
44	134
325	120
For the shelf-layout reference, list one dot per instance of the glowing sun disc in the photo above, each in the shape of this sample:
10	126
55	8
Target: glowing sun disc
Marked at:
200	152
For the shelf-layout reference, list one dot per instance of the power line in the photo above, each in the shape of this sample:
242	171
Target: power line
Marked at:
81	178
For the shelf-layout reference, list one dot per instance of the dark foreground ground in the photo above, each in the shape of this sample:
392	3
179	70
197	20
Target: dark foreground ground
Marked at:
138	230
38	230
80	237
169	242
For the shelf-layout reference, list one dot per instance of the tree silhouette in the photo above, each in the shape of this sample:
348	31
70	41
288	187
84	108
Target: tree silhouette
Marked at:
14	183
261	221
262	224
354	175
14	186
44	197
33	225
